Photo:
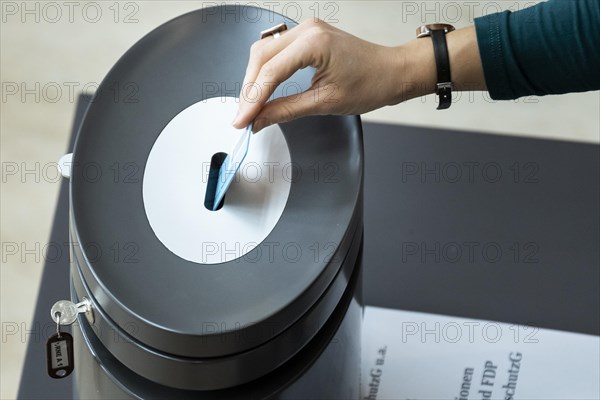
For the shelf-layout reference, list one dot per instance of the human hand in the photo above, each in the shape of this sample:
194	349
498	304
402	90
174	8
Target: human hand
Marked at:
352	76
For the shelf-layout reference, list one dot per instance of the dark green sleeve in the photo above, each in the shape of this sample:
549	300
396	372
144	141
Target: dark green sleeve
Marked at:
550	48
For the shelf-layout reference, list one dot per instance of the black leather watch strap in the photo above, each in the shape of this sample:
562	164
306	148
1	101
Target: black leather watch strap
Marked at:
442	61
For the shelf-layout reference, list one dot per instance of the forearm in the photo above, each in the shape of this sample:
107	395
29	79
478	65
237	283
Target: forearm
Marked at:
549	48
417	75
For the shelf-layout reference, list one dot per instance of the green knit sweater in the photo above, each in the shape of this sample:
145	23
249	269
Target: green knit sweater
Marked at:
550	48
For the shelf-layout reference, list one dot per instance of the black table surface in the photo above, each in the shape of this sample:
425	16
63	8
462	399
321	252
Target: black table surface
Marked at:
479	226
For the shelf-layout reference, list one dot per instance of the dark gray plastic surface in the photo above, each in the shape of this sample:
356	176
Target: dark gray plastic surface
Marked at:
328	368
542	213
221	372
169	300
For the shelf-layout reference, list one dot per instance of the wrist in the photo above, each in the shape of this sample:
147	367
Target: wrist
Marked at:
465	61
416	73
414	70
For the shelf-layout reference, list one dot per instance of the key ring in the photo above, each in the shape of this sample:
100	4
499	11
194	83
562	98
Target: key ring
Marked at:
57	315
274	31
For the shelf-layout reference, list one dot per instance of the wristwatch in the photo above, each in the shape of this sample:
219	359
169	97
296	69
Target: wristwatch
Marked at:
437	32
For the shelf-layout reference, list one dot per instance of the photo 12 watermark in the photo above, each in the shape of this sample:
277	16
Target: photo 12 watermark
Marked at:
55	92
469	252
53	12
54	252
252	12
469	172
466	332
452	12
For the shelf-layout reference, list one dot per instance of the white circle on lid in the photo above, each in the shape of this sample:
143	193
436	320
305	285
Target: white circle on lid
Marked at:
176	175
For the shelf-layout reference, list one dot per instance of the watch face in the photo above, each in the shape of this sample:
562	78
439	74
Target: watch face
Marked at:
425	30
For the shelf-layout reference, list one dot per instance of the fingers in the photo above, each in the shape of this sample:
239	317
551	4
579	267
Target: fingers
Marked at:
272	73
261	52
315	101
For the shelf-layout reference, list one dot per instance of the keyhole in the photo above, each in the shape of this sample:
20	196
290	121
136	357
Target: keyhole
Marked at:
213	176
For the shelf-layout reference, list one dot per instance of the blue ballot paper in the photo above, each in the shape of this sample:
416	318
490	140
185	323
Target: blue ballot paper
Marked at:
231	164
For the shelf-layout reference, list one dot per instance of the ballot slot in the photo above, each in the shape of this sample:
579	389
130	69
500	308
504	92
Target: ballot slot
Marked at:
173	196
212	182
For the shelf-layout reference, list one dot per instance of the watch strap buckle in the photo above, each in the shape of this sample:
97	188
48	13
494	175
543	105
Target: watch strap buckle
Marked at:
444	92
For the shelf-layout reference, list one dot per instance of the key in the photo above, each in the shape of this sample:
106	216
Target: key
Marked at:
68	310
